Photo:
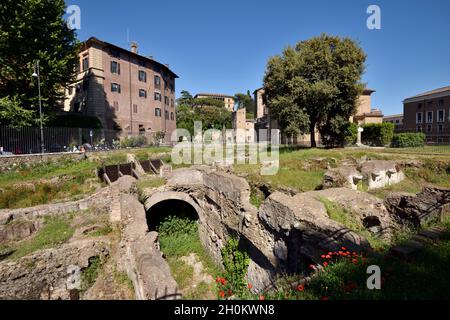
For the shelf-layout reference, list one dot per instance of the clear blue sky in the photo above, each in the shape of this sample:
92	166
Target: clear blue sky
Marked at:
223	45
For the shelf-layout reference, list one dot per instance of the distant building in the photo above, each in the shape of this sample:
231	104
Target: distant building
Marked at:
365	113
227	100
429	112
123	89
396	119
243	128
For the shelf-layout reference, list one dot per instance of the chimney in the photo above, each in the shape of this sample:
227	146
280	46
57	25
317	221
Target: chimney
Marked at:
150	57
134	47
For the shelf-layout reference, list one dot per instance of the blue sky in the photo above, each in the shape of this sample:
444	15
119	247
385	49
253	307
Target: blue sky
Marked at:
223	45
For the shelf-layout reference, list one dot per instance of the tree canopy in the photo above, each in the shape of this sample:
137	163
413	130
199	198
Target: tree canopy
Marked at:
316	85
209	111
32	30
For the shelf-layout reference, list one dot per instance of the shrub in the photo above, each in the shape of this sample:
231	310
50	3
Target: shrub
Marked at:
378	134
134	142
351	133
408	140
235	263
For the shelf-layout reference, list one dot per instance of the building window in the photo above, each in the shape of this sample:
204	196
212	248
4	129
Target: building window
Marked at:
115	87
441	103
419	117
172	116
142	93
142	76
115	67
157	112
135	108
166	114
172	103
141	129
116	106
440	128
85	63
429	128
419	106
157	82
142	63
157	96
429	116
419	128
441	115
166	100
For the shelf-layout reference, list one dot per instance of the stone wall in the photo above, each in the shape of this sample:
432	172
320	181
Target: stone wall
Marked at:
286	235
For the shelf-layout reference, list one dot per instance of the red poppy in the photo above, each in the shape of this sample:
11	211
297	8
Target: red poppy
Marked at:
325	264
324	298
249	286
323	256
355	261
222	294
344	249
223	281
301	288
262	298
218	279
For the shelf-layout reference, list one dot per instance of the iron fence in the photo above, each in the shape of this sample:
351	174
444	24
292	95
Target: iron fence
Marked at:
27	140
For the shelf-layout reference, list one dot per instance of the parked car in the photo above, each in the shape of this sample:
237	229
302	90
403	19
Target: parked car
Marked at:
4	154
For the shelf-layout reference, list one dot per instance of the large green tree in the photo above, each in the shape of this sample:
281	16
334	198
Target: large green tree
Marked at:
315	85
32	30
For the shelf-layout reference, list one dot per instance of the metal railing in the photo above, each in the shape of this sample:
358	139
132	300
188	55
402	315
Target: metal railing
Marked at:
27	140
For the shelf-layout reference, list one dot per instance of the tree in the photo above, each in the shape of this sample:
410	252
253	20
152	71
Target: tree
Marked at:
185	98
33	30
243	100
315	85
210	116
12	115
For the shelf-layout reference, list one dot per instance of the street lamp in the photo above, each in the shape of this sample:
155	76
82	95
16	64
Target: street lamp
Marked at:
36	74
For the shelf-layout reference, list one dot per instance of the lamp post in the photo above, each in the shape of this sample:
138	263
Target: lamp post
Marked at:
36	74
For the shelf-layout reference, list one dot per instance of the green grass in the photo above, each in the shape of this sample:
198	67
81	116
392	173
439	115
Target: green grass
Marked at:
56	231
179	237
407	185
104	231
341	215
151	182
122	279
91	272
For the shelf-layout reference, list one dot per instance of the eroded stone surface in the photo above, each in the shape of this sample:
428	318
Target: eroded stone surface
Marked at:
418	209
48	274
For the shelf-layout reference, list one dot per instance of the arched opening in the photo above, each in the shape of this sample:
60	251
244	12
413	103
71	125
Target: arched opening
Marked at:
169	208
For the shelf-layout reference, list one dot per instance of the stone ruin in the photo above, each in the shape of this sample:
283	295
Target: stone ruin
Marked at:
289	232
374	173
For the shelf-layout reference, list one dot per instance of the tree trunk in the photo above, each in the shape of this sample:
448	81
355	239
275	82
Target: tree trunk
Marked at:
312	131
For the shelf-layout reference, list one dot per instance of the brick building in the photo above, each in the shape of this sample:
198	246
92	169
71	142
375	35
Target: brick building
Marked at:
124	89
429	112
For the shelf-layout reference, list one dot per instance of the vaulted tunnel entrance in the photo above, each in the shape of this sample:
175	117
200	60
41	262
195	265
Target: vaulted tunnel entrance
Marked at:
167	208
